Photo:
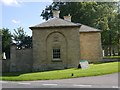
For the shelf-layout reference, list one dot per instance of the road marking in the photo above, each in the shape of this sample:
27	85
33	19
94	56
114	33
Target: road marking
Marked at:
24	83
3	82
83	85
115	87
38	81
13	82
50	84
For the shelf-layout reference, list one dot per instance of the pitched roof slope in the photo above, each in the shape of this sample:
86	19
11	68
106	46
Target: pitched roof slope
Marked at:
55	22
85	28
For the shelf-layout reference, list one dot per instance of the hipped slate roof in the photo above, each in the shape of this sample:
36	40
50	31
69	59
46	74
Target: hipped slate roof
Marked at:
85	28
55	22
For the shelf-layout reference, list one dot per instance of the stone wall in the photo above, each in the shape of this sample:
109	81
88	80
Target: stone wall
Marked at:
90	46
43	42
5	65
21	60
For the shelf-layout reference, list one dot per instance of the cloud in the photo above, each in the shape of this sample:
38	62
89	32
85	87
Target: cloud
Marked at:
10	2
36	0
16	21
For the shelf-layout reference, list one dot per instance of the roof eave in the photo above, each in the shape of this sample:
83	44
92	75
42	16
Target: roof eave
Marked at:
89	31
53	27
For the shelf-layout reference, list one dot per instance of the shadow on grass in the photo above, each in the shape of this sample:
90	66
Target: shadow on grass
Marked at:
10	74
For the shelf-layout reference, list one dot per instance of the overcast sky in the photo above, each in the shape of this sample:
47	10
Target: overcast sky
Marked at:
21	14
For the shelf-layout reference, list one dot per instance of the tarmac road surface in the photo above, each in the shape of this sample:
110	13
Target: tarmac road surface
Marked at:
104	81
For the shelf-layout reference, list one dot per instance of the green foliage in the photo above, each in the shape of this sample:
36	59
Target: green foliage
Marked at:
93	70
88	13
22	40
6	41
19	35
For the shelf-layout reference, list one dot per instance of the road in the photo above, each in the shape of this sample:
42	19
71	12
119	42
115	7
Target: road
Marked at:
104	81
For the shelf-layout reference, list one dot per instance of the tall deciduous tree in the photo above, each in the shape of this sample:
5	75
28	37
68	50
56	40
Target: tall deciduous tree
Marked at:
89	13
6	41
118	4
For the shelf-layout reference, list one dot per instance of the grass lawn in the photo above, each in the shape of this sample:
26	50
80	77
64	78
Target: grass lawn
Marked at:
93	70
112	57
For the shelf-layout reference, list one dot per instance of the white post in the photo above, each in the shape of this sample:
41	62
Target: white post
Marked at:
4	56
103	53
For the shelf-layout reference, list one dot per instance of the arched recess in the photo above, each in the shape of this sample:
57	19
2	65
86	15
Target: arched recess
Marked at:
56	40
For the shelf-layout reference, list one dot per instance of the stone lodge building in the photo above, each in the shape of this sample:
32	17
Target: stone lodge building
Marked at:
59	44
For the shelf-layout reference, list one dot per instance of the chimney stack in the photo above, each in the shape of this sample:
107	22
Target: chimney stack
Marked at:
56	13
68	18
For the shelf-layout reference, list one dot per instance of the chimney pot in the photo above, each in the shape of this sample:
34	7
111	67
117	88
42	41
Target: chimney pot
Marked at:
68	18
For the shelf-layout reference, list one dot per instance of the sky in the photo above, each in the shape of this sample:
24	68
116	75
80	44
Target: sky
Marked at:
15	14
21	13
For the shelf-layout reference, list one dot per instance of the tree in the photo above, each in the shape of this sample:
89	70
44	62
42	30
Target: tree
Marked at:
94	14
6	41
0	44
27	42
118	32
89	13
22	40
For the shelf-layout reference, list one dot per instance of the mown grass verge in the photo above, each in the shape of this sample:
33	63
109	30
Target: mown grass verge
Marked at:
93	70
112	57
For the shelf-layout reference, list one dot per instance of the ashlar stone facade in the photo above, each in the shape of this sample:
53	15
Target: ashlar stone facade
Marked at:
59	44
45	40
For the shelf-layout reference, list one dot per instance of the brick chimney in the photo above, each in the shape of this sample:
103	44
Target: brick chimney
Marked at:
56	13
68	18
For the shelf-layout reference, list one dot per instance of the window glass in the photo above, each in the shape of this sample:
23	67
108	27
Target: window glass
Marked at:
56	53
